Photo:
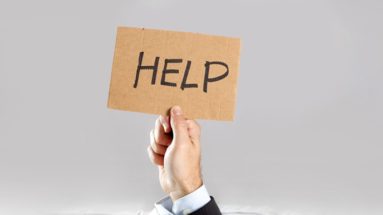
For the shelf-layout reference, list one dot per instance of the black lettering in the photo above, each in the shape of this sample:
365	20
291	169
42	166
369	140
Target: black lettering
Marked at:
140	67
207	70
167	71
184	80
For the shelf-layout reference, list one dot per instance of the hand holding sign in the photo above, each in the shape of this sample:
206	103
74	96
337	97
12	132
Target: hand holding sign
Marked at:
175	149
154	70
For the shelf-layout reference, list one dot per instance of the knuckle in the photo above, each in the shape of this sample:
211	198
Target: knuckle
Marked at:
152	138
155	136
153	146
181	124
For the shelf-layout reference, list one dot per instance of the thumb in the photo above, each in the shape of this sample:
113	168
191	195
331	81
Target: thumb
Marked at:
179	125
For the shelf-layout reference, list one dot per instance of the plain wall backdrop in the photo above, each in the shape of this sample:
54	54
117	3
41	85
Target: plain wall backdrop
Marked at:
308	130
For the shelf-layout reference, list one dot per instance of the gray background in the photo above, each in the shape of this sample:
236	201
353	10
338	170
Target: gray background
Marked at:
308	130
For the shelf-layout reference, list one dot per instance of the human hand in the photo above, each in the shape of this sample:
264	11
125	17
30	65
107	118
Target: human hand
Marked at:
175	149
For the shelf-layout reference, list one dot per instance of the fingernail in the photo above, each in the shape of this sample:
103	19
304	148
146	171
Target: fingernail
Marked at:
177	110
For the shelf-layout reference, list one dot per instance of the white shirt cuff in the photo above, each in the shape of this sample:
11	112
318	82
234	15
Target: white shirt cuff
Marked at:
191	202
164	206
185	205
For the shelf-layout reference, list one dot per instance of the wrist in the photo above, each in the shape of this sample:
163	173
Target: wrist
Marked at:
184	189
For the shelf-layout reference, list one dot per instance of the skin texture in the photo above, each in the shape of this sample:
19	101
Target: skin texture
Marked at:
175	149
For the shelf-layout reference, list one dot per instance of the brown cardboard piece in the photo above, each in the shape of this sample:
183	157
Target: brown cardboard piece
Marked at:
148	73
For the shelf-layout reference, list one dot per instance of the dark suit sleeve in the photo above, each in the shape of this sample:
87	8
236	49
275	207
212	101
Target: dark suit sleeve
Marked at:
211	208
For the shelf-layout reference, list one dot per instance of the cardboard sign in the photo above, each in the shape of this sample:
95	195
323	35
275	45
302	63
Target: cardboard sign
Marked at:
156	69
